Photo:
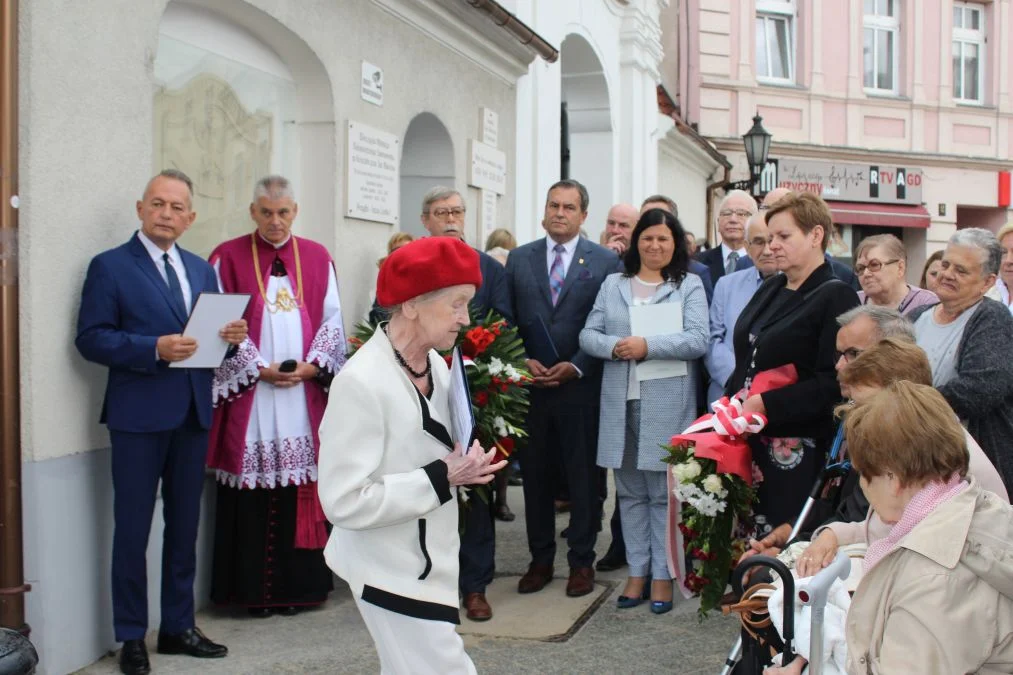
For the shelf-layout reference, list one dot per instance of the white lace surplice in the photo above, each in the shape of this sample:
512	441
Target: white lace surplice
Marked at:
279	434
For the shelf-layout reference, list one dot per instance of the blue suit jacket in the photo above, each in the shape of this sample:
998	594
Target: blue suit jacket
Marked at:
731	295
493	294
841	271
125	307
527	274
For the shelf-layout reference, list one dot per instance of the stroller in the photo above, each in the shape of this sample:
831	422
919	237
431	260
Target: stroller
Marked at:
758	640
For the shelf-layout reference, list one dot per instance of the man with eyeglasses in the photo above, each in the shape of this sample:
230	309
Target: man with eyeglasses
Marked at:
735	209
731	294
443	213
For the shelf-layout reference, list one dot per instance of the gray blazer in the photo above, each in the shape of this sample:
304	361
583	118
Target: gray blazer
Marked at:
667	406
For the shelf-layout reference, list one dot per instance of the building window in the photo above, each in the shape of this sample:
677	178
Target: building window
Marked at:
968	51
882	28
775	41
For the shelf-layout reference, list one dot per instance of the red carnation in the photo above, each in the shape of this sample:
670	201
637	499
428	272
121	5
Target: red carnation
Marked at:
481	399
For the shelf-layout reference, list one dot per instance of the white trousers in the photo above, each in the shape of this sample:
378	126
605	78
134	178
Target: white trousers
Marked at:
410	646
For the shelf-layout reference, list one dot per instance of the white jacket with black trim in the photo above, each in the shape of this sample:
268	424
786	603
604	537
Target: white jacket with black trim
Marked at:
383	485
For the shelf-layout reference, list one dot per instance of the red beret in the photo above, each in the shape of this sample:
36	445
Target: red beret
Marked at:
425	265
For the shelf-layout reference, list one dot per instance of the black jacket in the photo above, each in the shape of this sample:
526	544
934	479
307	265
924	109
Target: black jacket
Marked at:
802	332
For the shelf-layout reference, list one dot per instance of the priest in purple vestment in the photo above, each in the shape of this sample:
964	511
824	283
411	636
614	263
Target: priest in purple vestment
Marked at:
270	530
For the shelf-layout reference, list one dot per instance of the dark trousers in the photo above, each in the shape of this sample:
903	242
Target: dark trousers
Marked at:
139	461
478	544
562	436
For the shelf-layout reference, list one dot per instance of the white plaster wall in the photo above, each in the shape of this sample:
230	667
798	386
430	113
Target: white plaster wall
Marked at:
685	181
85	155
599	22
591	162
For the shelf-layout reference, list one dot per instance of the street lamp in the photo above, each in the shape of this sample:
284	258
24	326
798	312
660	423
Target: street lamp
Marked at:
757	142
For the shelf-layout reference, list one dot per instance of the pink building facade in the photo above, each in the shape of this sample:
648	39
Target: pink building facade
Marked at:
897	112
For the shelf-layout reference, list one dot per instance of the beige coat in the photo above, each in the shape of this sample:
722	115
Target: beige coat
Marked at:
942	602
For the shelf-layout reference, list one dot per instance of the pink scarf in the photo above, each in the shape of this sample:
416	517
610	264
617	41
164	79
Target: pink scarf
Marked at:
921	505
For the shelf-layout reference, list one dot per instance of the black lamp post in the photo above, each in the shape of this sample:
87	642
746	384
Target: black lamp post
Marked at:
757	144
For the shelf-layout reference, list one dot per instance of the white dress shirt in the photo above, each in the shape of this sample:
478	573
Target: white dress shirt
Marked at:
569	248
177	264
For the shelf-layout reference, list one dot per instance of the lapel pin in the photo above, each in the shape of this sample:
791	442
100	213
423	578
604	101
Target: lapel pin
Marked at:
580	262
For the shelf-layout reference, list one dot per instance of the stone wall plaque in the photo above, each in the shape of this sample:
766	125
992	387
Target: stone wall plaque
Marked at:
372	174
487	167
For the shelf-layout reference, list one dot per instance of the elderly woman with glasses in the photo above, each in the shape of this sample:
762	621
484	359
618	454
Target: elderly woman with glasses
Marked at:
967	339
881	266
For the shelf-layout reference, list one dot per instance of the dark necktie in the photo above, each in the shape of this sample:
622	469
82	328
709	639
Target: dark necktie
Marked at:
175	290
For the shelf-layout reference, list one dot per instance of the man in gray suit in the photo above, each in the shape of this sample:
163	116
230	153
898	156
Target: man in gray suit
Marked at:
553	284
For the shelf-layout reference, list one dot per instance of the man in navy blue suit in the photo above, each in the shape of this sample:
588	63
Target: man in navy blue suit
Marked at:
443	212
553	284
134	306
736	207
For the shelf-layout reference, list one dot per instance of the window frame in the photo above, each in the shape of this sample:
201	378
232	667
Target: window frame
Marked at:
879	23
771	11
966	36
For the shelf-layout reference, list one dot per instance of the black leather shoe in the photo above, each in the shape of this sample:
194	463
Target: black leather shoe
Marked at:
134	658
191	642
612	560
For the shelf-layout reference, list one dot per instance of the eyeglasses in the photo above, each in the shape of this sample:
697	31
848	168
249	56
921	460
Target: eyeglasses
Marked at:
848	355
873	266
760	242
728	213
442	213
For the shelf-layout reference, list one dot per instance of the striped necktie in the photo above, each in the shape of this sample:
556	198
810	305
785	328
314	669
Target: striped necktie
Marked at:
556	273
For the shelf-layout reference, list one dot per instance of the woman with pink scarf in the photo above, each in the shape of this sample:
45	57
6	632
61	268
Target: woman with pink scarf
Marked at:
936	595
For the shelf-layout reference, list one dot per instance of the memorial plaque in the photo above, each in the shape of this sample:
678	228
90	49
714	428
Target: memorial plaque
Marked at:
373	175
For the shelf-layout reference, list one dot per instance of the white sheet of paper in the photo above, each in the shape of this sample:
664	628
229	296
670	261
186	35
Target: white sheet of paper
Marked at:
661	319
209	315
462	417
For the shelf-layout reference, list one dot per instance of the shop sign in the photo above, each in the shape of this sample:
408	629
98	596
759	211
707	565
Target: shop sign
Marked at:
372	187
487	167
876	183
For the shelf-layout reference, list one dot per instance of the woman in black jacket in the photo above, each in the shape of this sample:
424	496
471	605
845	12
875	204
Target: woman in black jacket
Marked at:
792	319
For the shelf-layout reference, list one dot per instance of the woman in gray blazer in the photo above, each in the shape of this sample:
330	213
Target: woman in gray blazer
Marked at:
638	414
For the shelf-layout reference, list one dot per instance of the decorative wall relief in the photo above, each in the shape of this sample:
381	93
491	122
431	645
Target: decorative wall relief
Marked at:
203	130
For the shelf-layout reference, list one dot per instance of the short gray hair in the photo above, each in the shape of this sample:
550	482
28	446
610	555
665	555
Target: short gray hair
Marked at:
273	187
173	174
438	194
737	193
984	241
889	322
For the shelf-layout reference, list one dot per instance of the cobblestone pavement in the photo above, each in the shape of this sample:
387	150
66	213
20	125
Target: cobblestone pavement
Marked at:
333	638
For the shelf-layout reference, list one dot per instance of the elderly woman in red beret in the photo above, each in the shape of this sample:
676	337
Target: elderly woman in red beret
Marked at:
388	467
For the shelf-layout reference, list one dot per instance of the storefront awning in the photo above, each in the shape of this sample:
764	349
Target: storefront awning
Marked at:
883	215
